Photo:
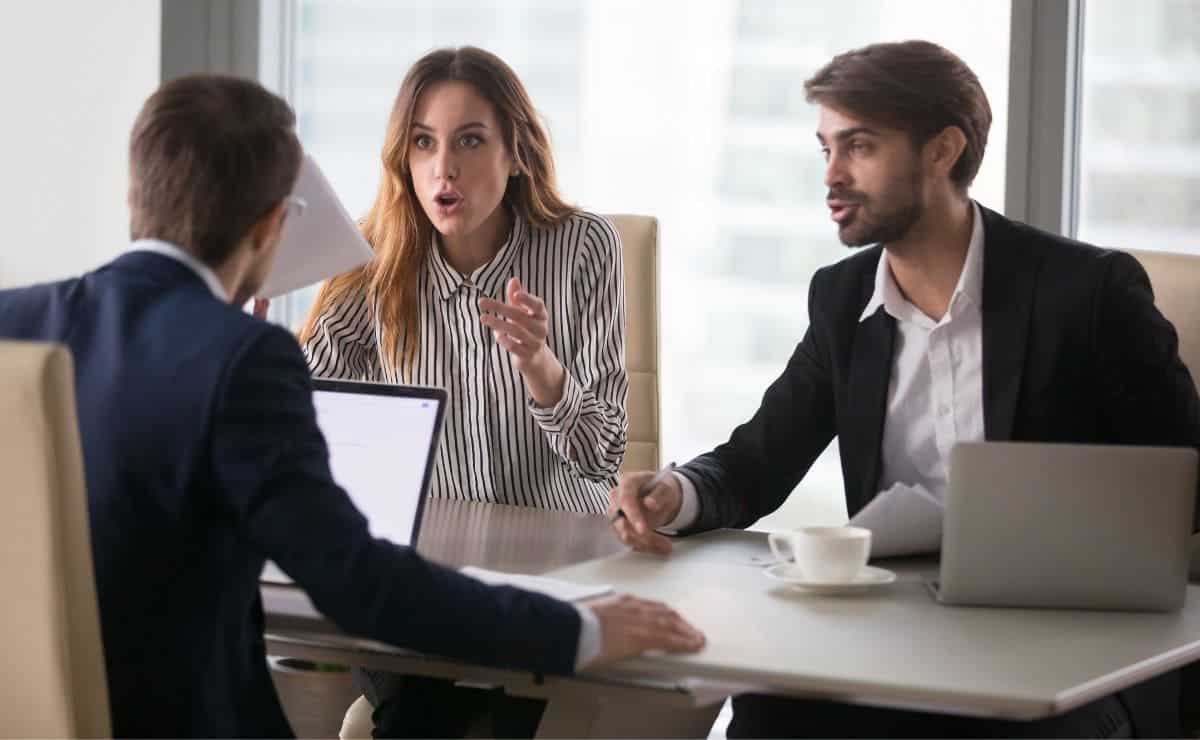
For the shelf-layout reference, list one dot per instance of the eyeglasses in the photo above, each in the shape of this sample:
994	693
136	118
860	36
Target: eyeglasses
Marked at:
293	204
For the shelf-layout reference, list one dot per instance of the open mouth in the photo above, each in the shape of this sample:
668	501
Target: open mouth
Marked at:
447	200
840	210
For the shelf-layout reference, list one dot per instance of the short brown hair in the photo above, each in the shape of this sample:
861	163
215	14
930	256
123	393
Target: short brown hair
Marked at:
913	86
209	156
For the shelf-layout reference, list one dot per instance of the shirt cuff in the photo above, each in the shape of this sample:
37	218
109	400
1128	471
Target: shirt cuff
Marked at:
689	507
589	637
558	418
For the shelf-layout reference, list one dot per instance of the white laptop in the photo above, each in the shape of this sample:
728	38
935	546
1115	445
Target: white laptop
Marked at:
382	440
1068	526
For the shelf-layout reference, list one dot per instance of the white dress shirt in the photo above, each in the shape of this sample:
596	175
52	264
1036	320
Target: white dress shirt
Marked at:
589	625
935	392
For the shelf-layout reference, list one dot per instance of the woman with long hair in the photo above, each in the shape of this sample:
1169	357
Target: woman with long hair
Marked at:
488	284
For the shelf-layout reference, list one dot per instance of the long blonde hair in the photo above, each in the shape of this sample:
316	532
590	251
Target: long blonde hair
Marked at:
396	226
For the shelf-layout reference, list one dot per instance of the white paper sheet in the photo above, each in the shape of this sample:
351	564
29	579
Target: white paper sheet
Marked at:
319	243
904	520
563	590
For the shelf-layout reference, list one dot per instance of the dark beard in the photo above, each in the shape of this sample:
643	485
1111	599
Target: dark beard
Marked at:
891	226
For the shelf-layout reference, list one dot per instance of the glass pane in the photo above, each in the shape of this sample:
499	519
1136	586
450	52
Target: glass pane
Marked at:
693	112
1140	137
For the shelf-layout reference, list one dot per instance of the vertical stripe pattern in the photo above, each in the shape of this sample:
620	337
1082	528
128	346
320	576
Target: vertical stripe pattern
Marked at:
497	446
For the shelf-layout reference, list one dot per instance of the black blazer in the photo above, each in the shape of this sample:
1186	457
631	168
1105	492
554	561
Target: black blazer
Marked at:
1074	350
203	458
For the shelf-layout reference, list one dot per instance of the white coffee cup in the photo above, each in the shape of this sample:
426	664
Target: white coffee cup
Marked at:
824	554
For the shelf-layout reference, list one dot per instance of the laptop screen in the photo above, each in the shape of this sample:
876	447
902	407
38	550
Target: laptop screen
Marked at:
382	440
381	444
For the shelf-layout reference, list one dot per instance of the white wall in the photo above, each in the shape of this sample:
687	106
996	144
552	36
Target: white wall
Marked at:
73	75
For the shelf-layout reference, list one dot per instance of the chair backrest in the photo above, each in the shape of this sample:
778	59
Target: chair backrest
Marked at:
639	252
55	685
1176	282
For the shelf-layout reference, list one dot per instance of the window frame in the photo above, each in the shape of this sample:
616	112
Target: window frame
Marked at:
256	38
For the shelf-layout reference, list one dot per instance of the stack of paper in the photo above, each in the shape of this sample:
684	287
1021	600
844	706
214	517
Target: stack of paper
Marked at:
562	590
904	520
317	244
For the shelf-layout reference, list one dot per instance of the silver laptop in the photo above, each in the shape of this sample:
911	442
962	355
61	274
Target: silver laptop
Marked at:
382	441
1068	526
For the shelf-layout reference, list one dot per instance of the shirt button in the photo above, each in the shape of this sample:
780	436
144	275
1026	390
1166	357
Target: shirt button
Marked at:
943	410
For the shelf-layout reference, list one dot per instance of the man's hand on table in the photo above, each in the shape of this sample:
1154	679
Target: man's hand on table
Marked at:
641	516
630	626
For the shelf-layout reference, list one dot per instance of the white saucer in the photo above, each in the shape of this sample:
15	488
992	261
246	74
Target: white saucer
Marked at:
869	577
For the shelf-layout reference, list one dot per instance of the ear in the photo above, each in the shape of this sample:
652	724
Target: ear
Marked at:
266	230
944	149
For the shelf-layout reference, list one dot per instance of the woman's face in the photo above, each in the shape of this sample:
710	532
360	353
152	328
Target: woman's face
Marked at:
459	161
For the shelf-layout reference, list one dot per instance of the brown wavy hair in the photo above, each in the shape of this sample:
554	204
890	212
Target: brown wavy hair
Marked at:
396	226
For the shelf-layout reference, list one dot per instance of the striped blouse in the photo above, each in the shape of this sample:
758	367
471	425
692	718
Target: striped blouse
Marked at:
497	446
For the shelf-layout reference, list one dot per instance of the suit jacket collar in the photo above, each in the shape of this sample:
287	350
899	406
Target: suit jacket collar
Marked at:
203	271
160	269
869	373
1010	268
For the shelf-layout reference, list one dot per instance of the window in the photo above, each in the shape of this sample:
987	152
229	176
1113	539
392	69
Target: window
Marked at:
1139	162
693	112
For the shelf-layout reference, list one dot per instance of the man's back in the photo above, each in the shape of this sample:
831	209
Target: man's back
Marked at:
203	458
151	347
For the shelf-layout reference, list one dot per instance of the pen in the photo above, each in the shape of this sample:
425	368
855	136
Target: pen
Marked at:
645	490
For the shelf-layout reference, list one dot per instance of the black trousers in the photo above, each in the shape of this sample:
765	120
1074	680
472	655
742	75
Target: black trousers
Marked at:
417	706
757	715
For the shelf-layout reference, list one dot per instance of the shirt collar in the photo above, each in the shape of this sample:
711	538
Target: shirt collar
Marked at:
970	280
203	271
488	279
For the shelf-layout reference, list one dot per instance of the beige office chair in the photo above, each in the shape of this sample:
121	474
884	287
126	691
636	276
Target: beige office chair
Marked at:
55	685
639	253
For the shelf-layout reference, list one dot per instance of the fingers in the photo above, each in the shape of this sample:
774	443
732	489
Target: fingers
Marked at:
516	295
511	345
260	307
533	335
512	311
529	328
673	633
630	626
651	541
625	498
665	629
531	303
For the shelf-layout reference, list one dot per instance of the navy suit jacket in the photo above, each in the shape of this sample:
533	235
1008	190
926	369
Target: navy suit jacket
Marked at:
1074	350
203	459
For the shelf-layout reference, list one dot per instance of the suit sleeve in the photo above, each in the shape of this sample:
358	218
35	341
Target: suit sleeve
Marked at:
1147	395
272	461
754	472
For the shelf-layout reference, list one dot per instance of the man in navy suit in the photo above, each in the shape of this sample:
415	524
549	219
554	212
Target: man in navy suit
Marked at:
203	457
956	324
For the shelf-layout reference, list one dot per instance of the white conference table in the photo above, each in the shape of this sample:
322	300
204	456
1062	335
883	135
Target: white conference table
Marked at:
893	647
